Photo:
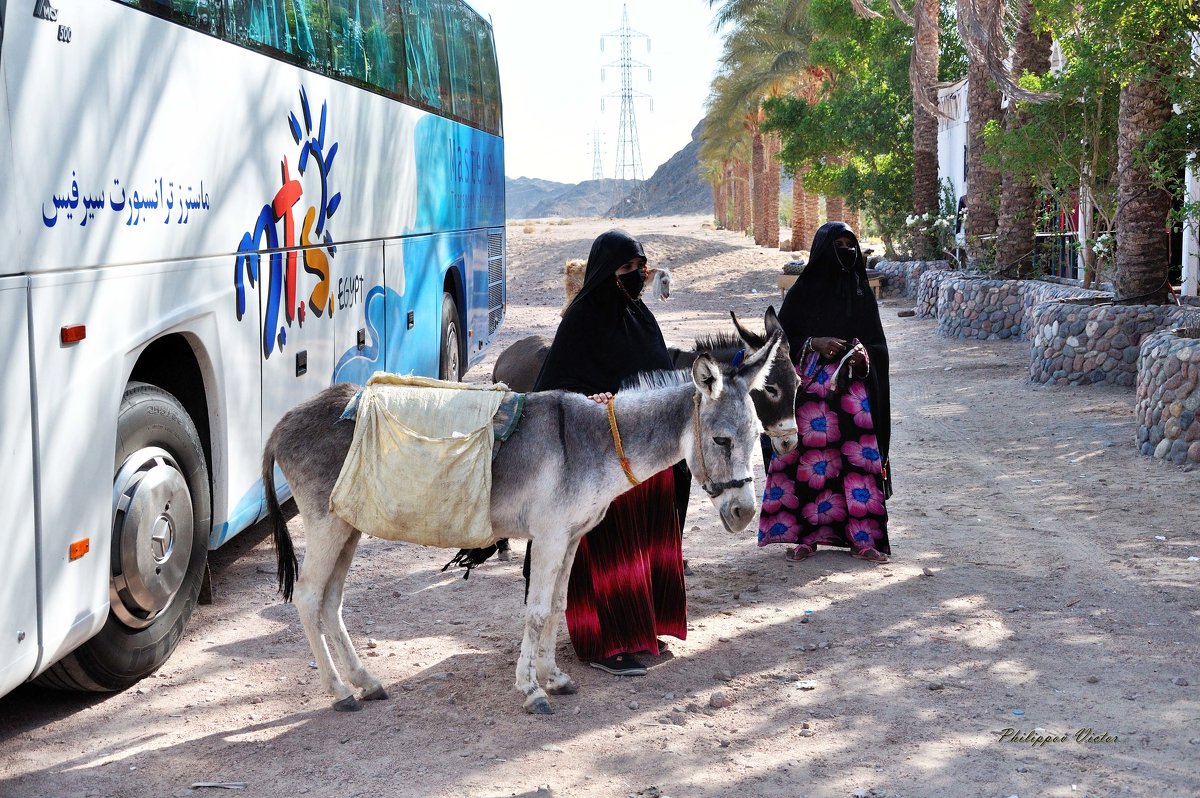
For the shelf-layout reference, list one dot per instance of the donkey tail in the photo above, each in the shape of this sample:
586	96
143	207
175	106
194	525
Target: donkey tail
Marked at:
286	563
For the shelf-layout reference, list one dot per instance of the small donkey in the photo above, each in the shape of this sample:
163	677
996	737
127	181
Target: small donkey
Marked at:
551	481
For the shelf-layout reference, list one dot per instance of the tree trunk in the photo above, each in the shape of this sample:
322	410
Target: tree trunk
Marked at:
773	145
1014	223
730	221
983	181
799	213
758	188
718	192
812	217
835	209
850	217
742	196
925	126
1142	208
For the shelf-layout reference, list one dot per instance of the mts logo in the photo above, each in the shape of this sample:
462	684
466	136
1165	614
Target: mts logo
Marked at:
43	10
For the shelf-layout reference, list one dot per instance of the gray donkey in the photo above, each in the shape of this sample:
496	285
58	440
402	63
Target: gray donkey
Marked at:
551	481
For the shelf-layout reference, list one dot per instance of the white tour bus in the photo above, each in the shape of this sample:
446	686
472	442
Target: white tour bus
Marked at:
211	210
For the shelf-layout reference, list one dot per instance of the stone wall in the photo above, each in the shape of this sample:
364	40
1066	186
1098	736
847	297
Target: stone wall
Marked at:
973	307
1168	395
903	275
1079	344
929	285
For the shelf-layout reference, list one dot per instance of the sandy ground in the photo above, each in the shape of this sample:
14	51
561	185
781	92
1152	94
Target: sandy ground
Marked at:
1040	580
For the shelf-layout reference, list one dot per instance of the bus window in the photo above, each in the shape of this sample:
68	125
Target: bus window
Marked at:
200	15
293	30
463	54
364	40
425	51
491	81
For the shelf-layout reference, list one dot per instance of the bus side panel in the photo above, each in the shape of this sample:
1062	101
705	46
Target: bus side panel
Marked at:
485	281
18	589
417	269
460	176
173	158
324	347
78	392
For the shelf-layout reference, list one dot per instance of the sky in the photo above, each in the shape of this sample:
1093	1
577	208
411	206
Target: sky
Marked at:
550	64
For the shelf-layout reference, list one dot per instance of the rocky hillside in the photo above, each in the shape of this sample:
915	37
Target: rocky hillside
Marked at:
675	188
522	194
589	198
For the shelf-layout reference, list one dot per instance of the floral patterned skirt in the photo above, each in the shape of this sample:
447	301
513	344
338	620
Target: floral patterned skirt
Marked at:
829	490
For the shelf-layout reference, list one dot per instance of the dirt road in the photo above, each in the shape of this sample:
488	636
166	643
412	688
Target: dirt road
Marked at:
1040	581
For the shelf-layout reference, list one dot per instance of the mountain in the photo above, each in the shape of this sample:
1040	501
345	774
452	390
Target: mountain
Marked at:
589	198
522	194
674	188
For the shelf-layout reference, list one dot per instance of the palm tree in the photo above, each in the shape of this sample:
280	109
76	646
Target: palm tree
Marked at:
1015	220
922	75
1142	206
765	54
923	71
983	106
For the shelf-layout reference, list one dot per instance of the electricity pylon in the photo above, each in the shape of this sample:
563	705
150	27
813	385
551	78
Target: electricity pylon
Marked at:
629	154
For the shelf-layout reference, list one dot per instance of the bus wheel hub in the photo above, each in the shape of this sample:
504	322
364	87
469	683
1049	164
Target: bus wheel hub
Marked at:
152	535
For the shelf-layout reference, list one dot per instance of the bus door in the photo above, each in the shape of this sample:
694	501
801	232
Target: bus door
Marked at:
334	334
19	632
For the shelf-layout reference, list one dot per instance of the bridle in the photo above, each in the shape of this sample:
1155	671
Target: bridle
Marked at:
713	489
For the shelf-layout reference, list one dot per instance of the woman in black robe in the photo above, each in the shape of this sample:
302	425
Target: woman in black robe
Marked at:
626	584
831	490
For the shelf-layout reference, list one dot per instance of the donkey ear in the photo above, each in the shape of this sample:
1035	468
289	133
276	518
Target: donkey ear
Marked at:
707	376
753	341
771	321
758	366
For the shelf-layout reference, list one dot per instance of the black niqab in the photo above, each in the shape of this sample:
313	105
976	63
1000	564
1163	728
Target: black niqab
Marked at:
604	338
830	299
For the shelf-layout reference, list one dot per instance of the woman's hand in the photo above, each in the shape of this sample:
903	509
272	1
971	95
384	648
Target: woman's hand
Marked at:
601	398
858	357
829	348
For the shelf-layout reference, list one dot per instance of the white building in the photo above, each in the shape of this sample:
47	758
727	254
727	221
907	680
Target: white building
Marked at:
952	169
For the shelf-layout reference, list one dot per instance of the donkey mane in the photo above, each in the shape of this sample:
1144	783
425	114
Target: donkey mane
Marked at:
721	340
663	378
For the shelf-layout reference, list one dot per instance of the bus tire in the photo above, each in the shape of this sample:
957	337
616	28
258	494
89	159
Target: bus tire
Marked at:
450	361
162	516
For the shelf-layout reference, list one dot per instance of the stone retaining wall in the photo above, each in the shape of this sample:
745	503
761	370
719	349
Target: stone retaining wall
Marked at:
929	286
972	307
1168	395
1081	344
903	275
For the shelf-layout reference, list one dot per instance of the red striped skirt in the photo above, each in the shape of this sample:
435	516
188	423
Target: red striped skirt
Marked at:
626	585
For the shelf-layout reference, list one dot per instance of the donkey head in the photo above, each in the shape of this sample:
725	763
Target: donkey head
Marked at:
775	403
725	432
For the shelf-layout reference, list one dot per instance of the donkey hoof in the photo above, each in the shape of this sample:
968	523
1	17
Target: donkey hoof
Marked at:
539	706
566	688
348	704
376	694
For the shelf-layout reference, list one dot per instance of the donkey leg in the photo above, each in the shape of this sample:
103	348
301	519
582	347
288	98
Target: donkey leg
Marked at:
558	682
335	626
548	553
325	543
